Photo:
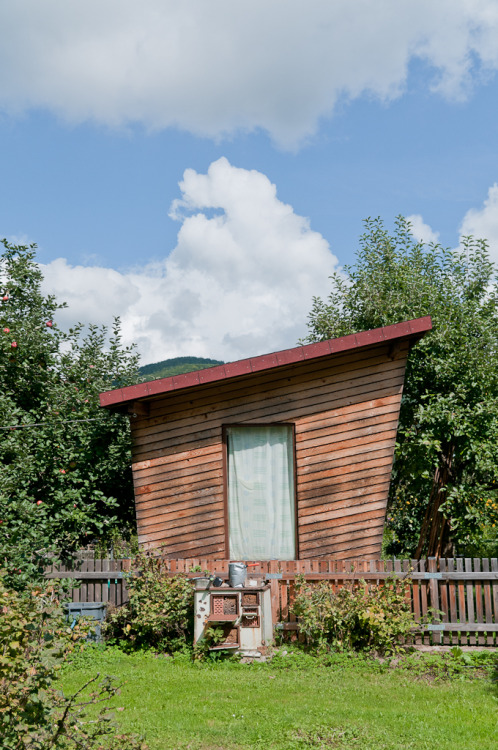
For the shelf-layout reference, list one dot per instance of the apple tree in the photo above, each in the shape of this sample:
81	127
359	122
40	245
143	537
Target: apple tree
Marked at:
444	491
65	475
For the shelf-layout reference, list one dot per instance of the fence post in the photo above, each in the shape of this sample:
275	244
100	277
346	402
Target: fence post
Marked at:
274	592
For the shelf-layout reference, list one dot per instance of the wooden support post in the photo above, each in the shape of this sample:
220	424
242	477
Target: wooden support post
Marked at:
274	591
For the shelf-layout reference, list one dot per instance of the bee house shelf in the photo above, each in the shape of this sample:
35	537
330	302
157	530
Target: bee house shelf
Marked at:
244	615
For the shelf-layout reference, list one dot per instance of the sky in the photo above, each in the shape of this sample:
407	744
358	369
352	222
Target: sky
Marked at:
201	169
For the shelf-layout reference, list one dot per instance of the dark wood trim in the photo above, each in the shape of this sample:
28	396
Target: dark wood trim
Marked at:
296	514
224	437
139	408
410	329
224	431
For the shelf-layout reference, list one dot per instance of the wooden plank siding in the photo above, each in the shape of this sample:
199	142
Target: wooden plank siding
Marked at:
345	410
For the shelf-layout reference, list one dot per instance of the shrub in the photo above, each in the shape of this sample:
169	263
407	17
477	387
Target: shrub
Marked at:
358	617
160	611
35	642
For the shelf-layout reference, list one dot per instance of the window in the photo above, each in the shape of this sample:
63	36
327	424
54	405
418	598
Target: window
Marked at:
261	504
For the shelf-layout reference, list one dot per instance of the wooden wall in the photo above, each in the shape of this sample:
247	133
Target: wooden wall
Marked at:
345	409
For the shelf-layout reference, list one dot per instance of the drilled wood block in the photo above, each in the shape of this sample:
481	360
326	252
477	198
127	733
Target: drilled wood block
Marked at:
231	636
250	600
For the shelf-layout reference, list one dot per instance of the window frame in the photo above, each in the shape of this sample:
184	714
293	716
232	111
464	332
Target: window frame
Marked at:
224	434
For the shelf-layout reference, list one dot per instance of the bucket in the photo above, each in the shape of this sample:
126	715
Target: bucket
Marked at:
202	583
237	573
94	610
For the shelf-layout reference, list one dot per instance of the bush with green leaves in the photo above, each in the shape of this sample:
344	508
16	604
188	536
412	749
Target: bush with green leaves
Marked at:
35	643
357	617
65	463
160	610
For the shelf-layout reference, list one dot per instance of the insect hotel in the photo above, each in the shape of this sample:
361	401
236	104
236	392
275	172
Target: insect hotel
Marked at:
282	457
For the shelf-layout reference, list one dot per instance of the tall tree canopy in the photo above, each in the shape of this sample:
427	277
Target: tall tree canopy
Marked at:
444	493
65	474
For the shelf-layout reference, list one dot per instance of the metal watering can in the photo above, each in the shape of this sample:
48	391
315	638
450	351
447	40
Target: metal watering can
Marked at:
237	573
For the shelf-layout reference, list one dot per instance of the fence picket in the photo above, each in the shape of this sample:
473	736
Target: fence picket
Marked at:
126	566
90	566
471	618
462	616
83	567
486	587
291	590
434	595
494	567
112	578
120	581
98	584
105	584
443	601
453	616
479	601
415	597
284	596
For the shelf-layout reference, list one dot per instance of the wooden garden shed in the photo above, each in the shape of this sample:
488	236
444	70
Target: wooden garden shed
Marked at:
284	456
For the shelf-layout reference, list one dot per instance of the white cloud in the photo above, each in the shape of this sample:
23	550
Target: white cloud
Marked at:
421	231
216	67
482	222
238	283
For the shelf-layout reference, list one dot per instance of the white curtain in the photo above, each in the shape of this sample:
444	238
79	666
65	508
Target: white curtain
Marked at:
261	514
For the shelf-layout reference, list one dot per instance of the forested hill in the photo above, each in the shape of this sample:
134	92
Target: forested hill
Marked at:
176	366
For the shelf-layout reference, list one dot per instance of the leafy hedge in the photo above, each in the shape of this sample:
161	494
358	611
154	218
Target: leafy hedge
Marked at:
357	618
160	610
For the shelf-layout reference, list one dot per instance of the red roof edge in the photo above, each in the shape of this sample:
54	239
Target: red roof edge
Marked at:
408	329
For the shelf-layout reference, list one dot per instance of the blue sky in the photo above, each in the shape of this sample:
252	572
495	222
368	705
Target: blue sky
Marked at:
200	170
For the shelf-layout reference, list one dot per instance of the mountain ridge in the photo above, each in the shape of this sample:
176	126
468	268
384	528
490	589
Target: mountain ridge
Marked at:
176	366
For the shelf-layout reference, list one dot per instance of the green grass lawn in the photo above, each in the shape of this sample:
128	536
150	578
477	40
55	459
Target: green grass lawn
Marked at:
292	703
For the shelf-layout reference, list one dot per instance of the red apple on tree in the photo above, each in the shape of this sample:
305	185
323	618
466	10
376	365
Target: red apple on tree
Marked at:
49	323
6	330
13	345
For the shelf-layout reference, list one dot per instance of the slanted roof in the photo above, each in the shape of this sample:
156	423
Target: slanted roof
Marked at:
410	329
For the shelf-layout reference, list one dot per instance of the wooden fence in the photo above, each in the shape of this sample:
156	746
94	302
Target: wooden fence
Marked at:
95	580
463	590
